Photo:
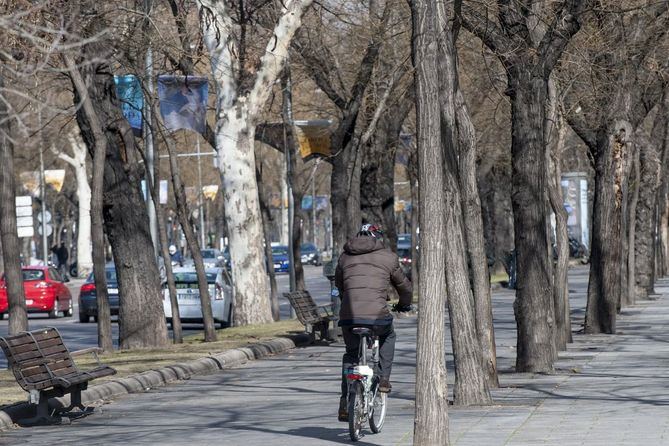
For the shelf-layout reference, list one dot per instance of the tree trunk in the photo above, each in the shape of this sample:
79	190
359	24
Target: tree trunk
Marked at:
98	145
183	214
78	163
431	416
18	317
473	224
629	295
177	331
263	200
534	304
345	195
561	305
234	141
605	259
141	316
415	218
649	164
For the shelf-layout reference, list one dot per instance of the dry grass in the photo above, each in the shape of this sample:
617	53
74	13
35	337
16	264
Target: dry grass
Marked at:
128	362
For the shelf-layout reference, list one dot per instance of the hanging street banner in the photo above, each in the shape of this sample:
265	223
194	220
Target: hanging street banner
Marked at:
313	138
322	202
129	92
183	102
210	191
55	178
30	182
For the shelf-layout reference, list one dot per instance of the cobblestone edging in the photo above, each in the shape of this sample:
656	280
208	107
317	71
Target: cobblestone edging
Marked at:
151	379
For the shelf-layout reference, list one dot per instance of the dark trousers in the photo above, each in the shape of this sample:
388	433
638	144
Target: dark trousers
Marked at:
386	334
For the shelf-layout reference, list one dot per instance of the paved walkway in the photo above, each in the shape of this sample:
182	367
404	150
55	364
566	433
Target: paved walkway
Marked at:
607	390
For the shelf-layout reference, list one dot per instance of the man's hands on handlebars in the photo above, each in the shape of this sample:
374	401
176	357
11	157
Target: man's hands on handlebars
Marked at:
397	308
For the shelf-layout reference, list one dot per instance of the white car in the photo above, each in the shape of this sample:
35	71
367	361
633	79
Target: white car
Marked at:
188	296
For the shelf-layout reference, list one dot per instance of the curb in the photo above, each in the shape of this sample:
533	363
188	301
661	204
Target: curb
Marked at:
152	379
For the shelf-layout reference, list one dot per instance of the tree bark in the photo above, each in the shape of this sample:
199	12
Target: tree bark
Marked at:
267	231
475	243
629	297
605	259
98	145
649	164
431	417
534	304
186	223
78	163
18	317
412	168
141	316
555	140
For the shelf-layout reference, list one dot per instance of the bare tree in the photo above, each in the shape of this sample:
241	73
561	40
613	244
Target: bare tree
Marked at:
528	64
77	160
237	112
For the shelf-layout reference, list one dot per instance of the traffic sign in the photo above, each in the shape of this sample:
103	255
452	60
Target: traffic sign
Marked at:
49	230
48	216
25	231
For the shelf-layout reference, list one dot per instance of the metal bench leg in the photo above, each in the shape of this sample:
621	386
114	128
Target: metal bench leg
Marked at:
75	403
43	414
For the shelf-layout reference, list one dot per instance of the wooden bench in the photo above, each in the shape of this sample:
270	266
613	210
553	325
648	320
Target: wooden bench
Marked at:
313	317
44	368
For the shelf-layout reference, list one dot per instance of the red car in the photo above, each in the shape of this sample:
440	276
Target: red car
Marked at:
45	292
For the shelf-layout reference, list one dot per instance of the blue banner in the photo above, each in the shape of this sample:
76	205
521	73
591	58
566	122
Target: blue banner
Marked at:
183	102
322	202
129	92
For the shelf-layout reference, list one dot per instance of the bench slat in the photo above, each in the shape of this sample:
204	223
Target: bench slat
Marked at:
41	335
32	346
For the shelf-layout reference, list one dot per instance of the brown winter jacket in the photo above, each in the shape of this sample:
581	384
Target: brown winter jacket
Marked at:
363	275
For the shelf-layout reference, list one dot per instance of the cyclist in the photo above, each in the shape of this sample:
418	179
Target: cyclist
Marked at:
364	272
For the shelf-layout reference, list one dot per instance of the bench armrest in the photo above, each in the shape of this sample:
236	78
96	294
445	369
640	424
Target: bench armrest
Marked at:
92	350
327	309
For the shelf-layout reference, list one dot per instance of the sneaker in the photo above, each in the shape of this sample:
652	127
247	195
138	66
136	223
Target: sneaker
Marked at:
385	386
343	409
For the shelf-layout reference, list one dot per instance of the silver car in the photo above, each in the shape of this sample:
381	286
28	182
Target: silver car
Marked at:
188	296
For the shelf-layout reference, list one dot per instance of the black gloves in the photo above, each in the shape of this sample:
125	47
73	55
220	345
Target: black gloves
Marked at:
402	308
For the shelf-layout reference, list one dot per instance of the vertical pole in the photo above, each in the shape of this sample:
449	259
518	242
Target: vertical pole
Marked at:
199	194
313	206
42	184
288	120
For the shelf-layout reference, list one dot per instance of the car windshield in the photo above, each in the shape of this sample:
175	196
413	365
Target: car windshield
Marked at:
208	254
32	274
279	251
191	277
404	253
110	276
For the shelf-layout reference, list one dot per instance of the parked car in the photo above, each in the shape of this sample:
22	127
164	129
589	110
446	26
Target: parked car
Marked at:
88	304
310	254
212	258
188	296
403	241
45	292
280	258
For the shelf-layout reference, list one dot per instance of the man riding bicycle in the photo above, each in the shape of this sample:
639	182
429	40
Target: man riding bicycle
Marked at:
364	272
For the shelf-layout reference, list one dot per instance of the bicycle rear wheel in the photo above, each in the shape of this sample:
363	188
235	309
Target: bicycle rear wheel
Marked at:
378	412
356	410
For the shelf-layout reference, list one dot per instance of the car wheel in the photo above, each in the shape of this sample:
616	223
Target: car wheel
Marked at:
55	313
95	319
2	316
70	310
83	318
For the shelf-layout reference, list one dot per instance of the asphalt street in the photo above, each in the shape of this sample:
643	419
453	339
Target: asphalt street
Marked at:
79	336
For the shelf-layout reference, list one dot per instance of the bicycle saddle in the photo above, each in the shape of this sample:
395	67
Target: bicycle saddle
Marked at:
361	331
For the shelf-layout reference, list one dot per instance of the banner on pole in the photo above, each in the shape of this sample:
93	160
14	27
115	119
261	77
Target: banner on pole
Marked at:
210	191
30	182
183	102
55	178
313	138
129	92
322	202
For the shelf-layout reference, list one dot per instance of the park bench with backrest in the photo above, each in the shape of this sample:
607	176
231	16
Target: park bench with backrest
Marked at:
43	367
313	317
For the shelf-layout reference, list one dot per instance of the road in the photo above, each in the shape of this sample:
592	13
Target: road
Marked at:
606	390
79	336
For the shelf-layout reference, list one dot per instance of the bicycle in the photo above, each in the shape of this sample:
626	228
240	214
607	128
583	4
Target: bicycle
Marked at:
365	402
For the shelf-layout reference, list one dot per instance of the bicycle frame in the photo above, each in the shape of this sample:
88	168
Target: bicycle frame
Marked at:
363	372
